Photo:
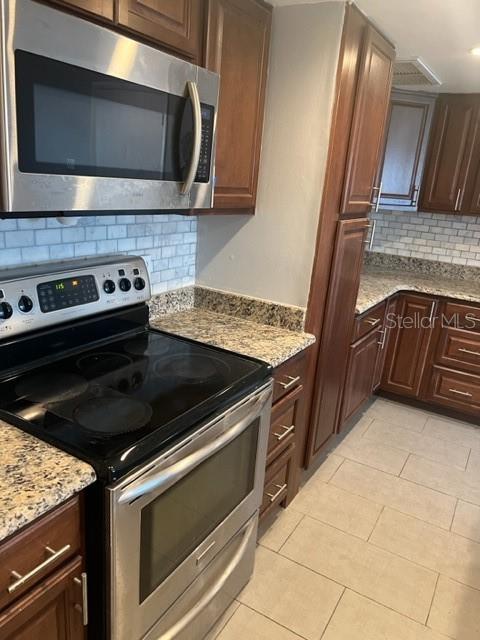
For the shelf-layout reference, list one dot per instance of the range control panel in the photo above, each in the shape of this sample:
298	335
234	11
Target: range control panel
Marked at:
43	296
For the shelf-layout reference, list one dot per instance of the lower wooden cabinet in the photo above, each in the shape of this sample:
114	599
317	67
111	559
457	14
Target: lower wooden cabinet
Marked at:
287	437
42	582
411	333
51	611
362	363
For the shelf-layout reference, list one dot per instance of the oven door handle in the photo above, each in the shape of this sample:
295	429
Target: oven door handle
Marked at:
197	137
209	595
168	476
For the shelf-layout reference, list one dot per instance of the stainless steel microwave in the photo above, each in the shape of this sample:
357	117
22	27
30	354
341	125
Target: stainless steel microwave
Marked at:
93	120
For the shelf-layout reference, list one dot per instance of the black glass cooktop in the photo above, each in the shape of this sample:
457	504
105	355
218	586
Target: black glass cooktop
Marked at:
120	403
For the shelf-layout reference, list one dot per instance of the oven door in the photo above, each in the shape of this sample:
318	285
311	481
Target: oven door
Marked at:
171	518
97	121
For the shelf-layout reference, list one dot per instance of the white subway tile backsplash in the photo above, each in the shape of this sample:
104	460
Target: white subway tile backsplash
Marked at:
167	242
443	237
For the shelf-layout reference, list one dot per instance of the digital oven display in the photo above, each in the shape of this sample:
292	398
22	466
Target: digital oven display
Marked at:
69	292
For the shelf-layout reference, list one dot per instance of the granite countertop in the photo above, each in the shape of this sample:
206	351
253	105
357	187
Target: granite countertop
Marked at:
270	344
34	478
378	284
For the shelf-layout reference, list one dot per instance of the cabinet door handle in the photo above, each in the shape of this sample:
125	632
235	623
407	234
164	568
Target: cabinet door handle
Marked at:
21	580
82	581
291	383
373	321
384	337
470	352
282	436
273	496
432	312
461	393
373	227
457	201
376	203
415	196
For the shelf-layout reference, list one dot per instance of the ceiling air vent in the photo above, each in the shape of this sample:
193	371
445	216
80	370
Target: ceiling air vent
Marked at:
407	73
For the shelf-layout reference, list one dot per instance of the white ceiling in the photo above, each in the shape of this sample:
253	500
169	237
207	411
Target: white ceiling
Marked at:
440	32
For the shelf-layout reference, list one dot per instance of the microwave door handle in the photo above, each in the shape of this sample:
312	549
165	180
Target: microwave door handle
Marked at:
209	595
168	476
197	137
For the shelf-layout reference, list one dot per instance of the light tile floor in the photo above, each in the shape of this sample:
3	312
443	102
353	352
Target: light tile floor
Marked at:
381	543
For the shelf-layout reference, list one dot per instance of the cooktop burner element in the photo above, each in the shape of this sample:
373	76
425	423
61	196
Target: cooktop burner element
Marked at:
110	415
54	388
192	368
95	365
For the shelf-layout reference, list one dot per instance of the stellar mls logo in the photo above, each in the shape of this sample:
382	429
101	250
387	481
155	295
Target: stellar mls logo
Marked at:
421	321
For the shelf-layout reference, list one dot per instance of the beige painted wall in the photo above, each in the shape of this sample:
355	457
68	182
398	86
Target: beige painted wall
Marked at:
270	255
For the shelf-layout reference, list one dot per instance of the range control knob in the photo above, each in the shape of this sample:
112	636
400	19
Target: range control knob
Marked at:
125	284
25	304
139	284
6	311
109	286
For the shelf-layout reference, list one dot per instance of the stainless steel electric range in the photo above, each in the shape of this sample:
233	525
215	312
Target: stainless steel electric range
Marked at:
176	431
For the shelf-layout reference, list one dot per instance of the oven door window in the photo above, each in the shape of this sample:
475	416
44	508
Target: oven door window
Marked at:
177	521
73	121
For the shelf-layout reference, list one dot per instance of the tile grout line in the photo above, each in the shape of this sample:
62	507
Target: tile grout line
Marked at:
299	635
290	534
376	522
454	514
333	613
431	602
468	458
404	465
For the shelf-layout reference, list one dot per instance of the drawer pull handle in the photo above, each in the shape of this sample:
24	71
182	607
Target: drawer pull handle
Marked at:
205	551
470	351
461	393
372	321
273	496
282	436
21	580
292	381
83	608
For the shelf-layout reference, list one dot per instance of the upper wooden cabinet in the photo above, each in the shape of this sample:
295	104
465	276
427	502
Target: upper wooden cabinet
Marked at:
100	8
452	163
408	130
369	117
176	24
238	37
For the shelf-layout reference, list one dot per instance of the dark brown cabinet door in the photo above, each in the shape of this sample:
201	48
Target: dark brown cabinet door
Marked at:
238	37
101	8
368	126
410	335
450	159
408	131
176	24
359	383
337	333
51	611
474	200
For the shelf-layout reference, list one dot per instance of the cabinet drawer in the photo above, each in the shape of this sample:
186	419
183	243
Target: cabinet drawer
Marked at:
369	321
454	389
288	376
283	426
462	316
32	554
459	349
278	479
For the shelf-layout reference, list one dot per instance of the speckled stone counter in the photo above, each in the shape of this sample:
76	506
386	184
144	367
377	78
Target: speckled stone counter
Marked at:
34	478
378	284
267	343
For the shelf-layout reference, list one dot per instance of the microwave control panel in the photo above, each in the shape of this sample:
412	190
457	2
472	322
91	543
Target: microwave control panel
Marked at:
203	170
